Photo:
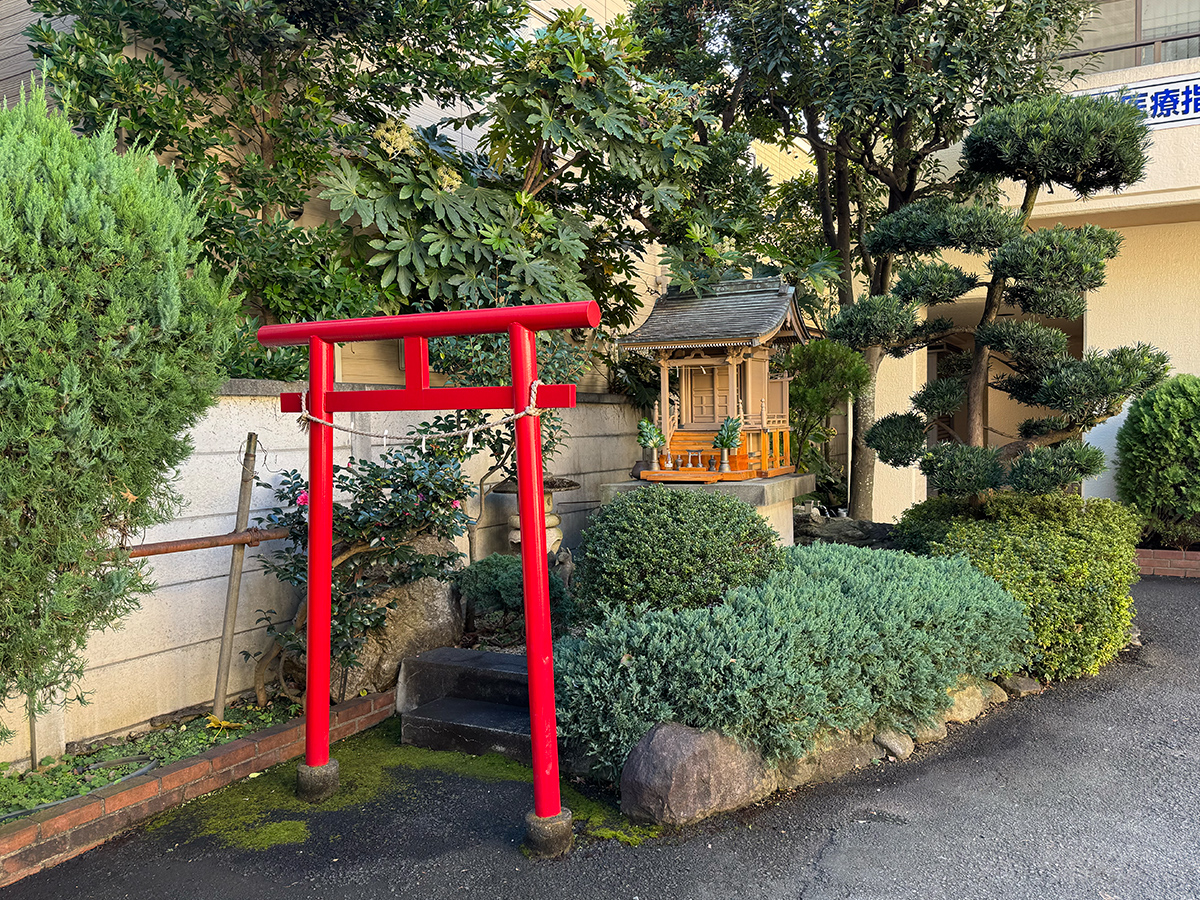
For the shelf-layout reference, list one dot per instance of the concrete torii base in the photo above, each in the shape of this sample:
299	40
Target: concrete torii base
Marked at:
551	836
317	783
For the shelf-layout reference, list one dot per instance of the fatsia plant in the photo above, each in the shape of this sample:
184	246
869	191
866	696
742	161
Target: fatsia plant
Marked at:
578	140
1085	145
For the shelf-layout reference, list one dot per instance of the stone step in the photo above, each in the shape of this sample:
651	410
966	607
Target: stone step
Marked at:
469	726
466	674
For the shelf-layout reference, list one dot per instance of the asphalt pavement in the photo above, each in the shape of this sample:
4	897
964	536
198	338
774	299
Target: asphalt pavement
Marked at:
1090	790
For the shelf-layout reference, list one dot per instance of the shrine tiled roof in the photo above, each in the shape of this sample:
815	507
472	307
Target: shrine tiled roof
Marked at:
726	314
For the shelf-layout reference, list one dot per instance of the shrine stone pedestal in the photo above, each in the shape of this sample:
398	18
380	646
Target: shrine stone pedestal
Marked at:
772	497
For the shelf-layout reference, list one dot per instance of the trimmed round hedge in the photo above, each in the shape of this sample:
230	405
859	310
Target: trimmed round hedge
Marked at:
1158	460
838	637
1070	562
672	549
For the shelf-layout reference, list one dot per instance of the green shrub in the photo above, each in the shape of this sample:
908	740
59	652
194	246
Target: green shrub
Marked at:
1069	561
495	583
1158	460
672	549
110	330
841	635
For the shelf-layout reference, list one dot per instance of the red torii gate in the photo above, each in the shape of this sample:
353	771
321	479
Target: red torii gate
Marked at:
549	823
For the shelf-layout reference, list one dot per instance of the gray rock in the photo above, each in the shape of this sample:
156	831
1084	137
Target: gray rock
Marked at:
426	616
808	528
677	775
834	756
897	743
1021	685
930	732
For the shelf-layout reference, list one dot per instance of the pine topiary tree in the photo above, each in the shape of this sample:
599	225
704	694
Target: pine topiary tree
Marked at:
110	332
1084	144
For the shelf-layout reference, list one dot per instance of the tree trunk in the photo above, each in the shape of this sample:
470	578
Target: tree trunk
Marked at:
977	381
862	457
844	223
831	227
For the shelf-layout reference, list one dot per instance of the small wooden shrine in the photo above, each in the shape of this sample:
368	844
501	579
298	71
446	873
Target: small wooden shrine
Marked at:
720	343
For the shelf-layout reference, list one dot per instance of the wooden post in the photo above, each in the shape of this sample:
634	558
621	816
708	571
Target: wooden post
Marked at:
233	589
732	404
664	401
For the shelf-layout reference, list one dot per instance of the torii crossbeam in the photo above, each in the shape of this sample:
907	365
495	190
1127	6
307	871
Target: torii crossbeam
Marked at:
549	823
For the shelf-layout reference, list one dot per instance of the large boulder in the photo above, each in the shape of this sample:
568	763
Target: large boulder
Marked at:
426	616
678	775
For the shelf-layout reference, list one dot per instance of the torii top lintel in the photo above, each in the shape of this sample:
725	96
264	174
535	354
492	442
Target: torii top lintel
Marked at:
415	329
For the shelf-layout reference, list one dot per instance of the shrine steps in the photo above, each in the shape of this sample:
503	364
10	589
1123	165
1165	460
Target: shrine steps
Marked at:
469	701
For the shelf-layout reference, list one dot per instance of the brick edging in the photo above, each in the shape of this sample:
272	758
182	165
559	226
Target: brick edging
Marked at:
56	834
1179	563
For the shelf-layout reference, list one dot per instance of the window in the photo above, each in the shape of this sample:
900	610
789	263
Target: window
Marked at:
1129	33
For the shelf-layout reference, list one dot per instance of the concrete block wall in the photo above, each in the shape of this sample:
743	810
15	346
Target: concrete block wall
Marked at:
164	656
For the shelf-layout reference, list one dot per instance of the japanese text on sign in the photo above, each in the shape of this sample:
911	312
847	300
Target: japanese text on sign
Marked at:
1167	102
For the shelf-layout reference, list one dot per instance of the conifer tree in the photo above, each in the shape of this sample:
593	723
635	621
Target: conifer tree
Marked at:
110	331
1085	145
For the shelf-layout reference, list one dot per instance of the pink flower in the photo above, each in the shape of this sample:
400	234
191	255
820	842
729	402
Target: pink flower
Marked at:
456	504
302	498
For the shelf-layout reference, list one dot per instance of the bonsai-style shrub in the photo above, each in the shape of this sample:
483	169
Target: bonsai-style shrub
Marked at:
1070	562
1083	145
838	637
1158	460
110	331
671	549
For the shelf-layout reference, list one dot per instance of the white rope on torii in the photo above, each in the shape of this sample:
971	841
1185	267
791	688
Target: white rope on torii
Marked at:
306	420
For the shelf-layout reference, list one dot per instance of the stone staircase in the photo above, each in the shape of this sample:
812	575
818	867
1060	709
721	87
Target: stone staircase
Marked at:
471	701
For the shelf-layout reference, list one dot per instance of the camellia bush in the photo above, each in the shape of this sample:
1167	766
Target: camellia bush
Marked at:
671	549
1158	460
1070	562
110	332
392	529
838	637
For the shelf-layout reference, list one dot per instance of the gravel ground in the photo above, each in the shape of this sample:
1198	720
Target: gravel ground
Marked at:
1087	791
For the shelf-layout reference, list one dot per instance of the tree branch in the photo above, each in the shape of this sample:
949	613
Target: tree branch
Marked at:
735	97
573	161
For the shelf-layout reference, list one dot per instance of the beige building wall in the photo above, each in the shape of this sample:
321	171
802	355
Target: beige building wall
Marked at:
1152	296
898	489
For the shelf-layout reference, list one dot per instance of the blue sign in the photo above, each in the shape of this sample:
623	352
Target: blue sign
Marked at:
1167	102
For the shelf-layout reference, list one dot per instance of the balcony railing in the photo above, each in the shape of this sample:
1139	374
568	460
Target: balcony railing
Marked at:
1140	53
